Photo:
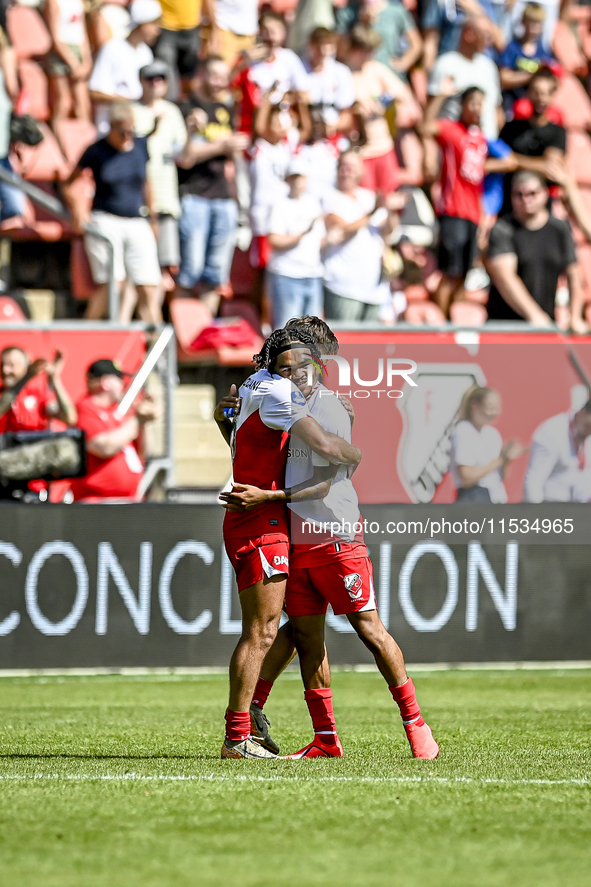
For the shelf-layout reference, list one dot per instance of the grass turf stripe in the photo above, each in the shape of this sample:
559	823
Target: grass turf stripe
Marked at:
114	777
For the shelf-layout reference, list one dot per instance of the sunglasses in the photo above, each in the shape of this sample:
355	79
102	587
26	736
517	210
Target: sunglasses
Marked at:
154	77
124	130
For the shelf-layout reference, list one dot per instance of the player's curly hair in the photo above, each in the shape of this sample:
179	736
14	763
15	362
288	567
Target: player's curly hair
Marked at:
277	341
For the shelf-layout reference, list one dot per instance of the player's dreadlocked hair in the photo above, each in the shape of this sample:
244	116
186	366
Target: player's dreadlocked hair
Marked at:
277	342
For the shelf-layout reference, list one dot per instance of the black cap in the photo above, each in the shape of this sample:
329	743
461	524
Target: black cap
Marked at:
105	367
156	68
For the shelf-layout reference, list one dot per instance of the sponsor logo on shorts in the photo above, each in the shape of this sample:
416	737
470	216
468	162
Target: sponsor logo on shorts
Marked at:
280	559
354	585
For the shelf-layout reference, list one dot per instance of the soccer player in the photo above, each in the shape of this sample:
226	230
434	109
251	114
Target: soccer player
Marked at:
335	570
257	543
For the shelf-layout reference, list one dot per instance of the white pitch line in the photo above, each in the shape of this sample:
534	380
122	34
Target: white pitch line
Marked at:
398	780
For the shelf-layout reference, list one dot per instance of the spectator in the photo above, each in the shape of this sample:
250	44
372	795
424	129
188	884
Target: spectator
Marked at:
234	28
402	44
331	87
443	24
279	130
469	67
536	137
163	125
514	17
479	459
309	15
209	215
321	155
377	89
178	43
464	150
69	62
31	395
267	65
296	235
113	444
120	209
353	284
527	253
12	201
559	468
115	76
523	57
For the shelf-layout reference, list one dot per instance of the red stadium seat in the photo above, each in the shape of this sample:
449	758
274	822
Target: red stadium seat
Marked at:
416	292
240	308
27	31
76	136
34	85
45	162
10	311
189	317
467	314
83	286
242	274
574	103
424	314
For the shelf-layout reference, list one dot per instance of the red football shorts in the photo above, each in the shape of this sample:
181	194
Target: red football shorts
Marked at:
254	557
345	584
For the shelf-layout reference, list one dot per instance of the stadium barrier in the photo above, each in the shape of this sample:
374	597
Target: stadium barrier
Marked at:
150	586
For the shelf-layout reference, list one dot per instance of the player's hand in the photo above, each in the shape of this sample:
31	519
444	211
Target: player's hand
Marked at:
54	368
148	410
244	497
230	402
579	326
512	450
348	406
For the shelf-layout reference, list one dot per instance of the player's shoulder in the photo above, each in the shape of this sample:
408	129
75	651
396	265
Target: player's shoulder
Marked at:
553	424
326	408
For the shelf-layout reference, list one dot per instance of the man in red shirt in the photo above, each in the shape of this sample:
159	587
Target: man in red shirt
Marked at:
114	465
31	395
464	151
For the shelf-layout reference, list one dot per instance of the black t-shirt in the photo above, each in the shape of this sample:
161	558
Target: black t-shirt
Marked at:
120	177
208	179
542	256
531	141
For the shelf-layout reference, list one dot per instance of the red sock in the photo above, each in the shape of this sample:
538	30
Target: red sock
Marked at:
319	704
261	692
406	698
237	725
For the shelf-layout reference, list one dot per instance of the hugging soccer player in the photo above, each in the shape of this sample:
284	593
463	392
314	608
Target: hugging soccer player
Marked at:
257	541
336	570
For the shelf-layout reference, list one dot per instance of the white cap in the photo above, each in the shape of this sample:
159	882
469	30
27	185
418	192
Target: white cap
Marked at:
297	167
143	11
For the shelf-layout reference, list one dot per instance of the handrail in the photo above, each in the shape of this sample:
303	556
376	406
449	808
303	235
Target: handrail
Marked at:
140	378
56	208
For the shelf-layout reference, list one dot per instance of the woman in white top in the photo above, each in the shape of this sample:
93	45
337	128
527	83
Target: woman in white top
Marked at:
479	458
69	62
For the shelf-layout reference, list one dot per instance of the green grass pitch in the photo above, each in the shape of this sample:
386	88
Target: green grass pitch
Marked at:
109	781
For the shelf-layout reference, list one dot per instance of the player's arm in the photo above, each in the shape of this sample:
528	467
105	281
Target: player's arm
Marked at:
542	462
243	497
330	446
230	402
63	407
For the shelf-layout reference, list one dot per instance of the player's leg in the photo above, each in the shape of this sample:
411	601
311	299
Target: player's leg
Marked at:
261	605
277	659
390	661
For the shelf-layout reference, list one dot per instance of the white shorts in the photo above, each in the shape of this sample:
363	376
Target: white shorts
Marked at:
134	247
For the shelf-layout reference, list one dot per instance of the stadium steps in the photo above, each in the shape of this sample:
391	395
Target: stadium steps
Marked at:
202	458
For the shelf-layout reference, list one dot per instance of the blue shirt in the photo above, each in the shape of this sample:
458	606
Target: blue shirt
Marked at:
119	176
445	17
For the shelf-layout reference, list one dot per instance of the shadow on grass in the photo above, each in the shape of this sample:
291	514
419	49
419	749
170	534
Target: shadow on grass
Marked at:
65	756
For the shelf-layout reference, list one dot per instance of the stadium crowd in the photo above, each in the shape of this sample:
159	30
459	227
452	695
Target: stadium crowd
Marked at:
367	160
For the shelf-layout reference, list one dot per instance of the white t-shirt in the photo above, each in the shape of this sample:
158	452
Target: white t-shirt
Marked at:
289	216
239	16
331	87
70	23
321	158
267	174
285	69
553	472
116	72
163	147
481	72
341	503
353	269
469	446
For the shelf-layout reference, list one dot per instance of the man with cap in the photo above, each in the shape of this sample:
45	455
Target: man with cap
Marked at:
114	468
162	122
115	75
296	235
